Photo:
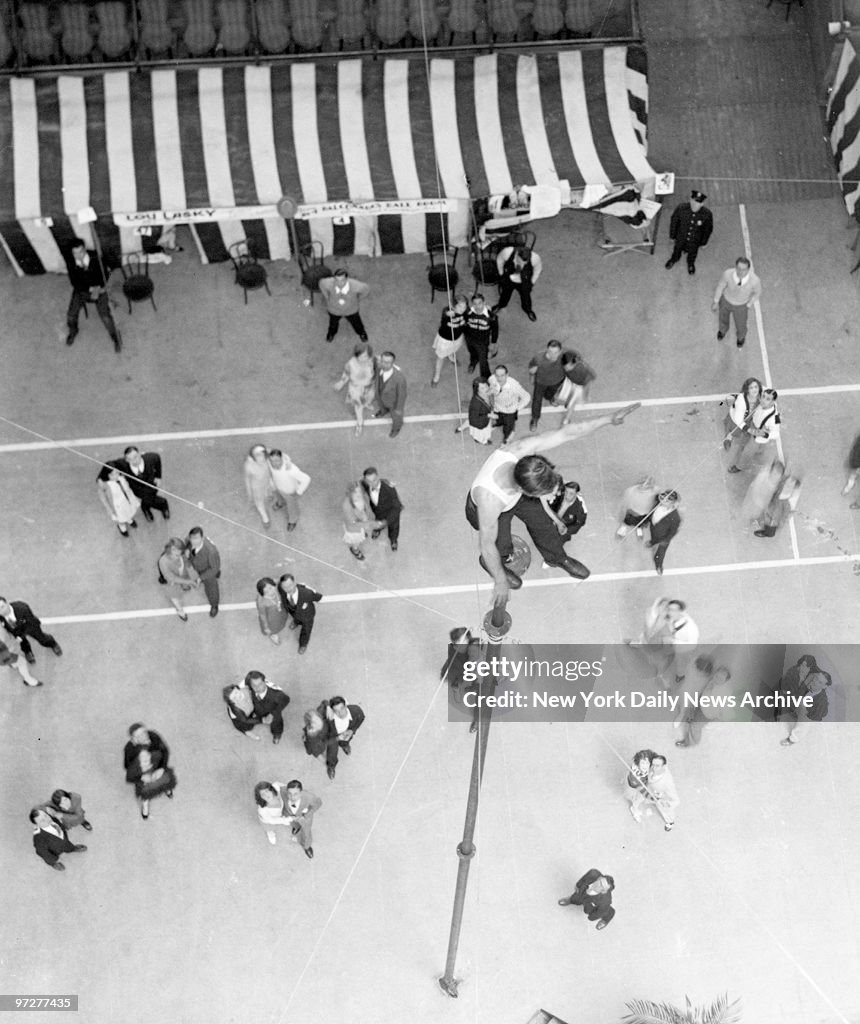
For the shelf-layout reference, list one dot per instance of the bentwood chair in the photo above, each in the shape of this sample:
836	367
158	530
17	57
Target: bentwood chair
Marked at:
311	258
442	273
137	285
250	274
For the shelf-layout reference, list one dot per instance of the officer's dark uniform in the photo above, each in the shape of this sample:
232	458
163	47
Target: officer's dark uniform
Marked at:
690	230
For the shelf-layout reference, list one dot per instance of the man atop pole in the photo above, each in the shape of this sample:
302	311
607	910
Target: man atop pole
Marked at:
511	472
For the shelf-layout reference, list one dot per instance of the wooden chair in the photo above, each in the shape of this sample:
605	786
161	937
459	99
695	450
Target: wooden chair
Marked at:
442	273
137	285
250	274
311	259
485	270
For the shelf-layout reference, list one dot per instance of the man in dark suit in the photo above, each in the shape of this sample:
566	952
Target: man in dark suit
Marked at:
390	391
385	503
50	839
269	701
664	523
19	619
690	229
594	894
204	557
300	604
89	278
300	806
143	473
343	721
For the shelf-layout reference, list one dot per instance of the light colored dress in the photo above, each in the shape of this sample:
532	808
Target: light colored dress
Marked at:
356	520
360	387
258	482
180	574
124	504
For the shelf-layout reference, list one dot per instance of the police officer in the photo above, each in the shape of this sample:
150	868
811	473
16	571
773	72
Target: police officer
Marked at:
690	229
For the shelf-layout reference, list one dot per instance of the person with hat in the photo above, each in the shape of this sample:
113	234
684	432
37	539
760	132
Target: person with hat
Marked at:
342	296
690	229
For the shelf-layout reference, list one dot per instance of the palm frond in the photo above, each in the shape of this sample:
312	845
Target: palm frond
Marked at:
722	1012
643	1011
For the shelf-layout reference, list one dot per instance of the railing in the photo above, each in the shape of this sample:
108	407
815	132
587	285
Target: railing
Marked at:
51	35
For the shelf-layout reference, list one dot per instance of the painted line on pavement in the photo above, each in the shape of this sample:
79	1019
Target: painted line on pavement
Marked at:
467	588
296	428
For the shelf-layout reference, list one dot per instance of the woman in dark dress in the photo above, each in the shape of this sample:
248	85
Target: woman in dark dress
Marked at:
481	417
145	760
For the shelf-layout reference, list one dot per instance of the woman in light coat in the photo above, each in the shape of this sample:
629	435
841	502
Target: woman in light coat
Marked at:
258	481
179	572
357	519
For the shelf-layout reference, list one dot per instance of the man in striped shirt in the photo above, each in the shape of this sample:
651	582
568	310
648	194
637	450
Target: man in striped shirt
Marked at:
737	290
509	399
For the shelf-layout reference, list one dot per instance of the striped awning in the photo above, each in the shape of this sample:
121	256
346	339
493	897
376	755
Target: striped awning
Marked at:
223	145
843	124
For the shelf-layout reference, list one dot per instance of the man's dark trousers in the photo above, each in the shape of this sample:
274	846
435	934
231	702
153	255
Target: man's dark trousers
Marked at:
354	319
102	304
38	634
507	289
479	354
211	589
531	513
540	393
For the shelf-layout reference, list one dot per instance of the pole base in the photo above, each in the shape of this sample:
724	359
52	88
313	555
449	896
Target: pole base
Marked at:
449	986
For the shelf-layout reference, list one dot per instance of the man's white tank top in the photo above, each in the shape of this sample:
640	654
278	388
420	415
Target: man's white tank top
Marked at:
486	479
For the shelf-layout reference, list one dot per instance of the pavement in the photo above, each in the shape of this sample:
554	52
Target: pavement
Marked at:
192	917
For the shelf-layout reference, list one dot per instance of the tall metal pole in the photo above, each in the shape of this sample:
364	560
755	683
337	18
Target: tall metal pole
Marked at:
496	625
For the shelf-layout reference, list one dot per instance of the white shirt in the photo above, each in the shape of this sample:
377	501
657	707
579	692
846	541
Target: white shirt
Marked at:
510	396
374	493
53	828
289	479
660	512
341	724
386	374
766	419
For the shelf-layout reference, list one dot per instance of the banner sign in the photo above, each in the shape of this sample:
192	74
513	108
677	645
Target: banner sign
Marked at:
348	208
195	215
305	211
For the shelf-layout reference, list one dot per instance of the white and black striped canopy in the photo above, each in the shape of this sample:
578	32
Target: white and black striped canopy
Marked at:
843	124
238	139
